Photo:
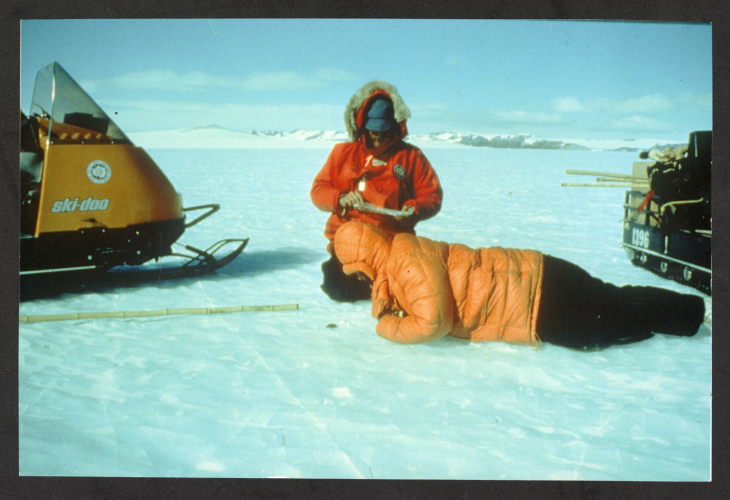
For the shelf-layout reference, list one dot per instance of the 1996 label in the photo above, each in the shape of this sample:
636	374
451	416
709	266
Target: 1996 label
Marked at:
640	238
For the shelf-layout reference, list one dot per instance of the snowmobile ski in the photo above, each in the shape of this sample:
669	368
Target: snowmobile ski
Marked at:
196	263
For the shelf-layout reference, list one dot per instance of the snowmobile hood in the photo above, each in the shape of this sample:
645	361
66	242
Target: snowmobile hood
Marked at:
356	110
362	248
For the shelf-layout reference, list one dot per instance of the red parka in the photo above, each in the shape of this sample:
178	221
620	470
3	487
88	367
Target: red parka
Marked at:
395	175
424	289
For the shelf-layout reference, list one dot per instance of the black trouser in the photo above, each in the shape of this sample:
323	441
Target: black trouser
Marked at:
342	287
582	312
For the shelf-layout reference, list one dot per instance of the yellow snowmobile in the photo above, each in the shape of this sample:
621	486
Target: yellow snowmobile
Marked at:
91	199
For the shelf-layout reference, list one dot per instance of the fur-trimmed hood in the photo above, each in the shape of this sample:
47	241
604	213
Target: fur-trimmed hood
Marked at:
360	103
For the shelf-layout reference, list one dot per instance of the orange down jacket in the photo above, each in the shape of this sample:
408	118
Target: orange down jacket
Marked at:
424	289
395	175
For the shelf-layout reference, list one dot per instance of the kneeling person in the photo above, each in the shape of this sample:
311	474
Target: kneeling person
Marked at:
378	168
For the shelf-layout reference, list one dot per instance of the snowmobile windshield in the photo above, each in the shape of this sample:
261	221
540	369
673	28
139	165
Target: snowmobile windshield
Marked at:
71	113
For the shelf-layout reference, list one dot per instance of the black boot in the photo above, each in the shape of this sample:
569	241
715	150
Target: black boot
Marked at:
342	287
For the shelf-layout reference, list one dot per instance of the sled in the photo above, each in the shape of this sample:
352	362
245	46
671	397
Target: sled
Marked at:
90	199
667	224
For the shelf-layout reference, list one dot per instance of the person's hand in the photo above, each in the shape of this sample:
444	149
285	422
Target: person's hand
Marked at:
408	209
351	199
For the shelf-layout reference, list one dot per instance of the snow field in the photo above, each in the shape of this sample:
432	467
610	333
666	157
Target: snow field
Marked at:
315	392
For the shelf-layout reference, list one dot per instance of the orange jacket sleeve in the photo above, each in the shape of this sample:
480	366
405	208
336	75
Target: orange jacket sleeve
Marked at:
324	194
427	192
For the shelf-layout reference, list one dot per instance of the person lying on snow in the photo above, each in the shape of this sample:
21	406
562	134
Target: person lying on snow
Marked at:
423	290
376	166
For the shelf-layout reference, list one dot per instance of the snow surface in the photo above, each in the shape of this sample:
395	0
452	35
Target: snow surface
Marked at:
315	393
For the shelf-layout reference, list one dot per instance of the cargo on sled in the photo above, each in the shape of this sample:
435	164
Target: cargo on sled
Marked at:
667	220
668	224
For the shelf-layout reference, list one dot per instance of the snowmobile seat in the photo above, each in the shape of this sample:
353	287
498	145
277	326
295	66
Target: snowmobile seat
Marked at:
87	121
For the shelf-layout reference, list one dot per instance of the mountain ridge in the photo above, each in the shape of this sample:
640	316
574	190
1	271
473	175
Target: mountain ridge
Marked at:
216	136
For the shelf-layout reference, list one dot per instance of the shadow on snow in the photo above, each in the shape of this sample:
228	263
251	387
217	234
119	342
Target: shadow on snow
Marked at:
245	265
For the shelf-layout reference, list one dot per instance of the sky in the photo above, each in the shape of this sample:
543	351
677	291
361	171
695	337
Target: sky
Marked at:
551	79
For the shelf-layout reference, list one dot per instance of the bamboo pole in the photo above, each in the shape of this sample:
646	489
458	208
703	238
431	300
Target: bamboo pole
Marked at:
604	174
159	312
605	185
635	180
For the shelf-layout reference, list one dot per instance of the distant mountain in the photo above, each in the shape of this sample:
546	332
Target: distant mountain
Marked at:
527	141
305	135
521	141
661	147
206	128
215	136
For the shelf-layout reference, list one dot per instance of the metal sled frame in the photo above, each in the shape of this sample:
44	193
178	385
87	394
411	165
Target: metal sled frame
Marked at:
654	245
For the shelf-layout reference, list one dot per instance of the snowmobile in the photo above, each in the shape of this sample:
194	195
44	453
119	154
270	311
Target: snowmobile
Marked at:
667	223
92	200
